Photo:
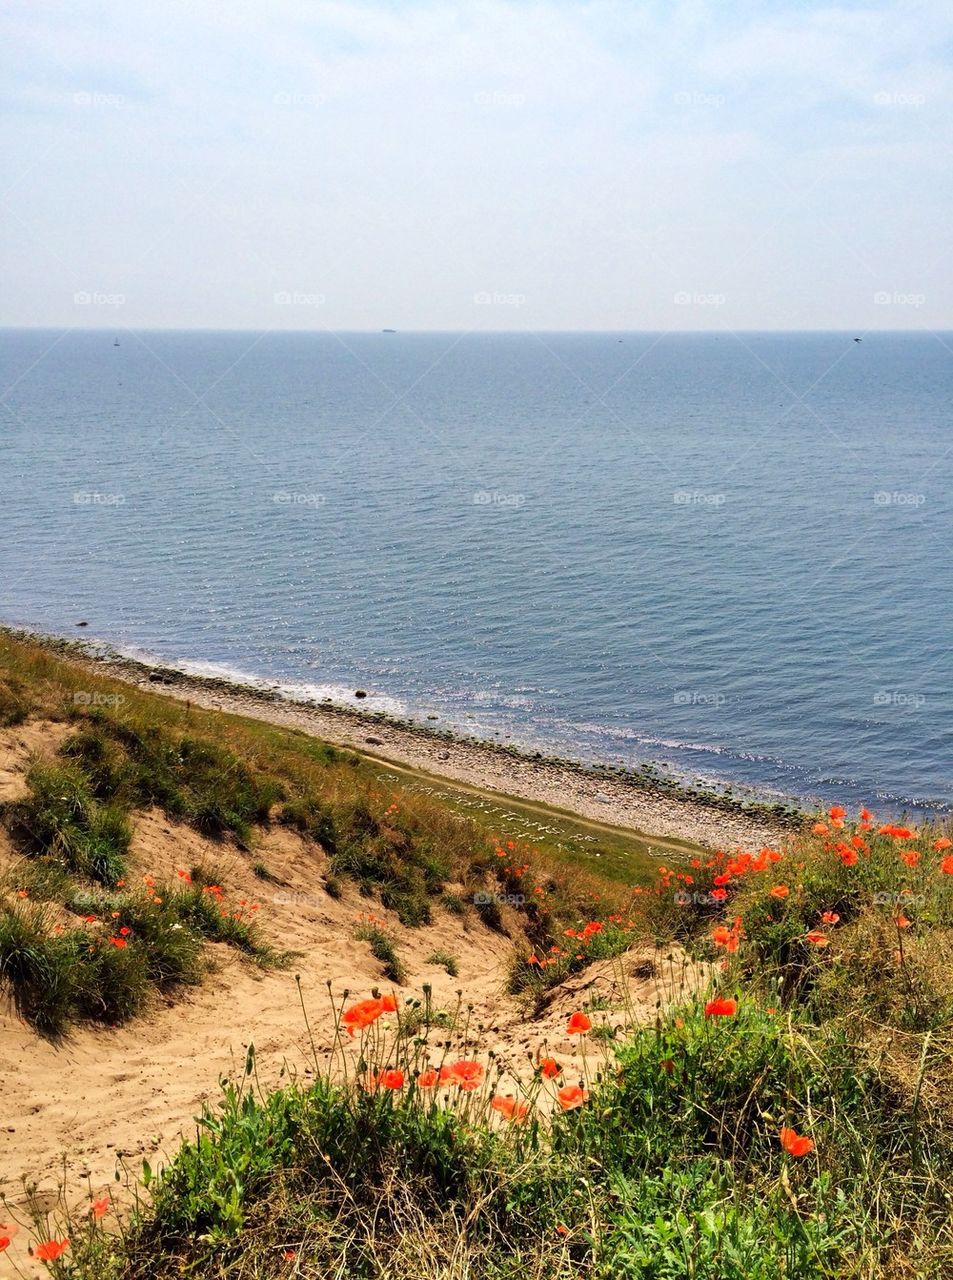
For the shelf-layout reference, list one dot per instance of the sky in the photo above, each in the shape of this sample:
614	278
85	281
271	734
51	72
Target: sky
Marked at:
473	166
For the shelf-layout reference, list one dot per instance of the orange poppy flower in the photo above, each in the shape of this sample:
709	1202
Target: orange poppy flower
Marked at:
578	1025
510	1108
571	1096
7	1231
946	866
817	937
795	1144
944	842
427	1079
549	1067
388	1004
910	857
99	1208
721	1008
902	922
467	1074
50	1250
837	811
829	917
118	942
848	857
819	829
361	1015
388	1079
780	891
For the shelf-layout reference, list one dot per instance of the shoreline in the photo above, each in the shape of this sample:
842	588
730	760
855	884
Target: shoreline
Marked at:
645	802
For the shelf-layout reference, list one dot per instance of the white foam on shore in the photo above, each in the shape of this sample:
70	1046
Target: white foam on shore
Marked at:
293	690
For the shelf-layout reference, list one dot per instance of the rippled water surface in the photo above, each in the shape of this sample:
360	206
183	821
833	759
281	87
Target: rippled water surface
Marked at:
733	553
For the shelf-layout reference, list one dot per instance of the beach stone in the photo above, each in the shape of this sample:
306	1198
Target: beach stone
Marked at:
360	693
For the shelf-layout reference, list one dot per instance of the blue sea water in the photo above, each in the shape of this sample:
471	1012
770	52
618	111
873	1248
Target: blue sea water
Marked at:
729	552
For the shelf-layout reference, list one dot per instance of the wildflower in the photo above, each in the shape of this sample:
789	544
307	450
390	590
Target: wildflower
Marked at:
849	857
510	1108
119	943
390	1079
466	1073
829	917
819	829
549	1067
125	931
944	842
427	1079
946	866
562	1229
289	1255
99	1208
779	891
22	893
721	1008
90	919
184	875
571	1096
719	895
7	1231
361	1015
902	922
836	812
910	857
667	1065
795	1144
578	1024
50	1250
817	937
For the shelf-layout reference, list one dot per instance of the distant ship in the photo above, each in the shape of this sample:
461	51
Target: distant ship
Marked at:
116	343
388	330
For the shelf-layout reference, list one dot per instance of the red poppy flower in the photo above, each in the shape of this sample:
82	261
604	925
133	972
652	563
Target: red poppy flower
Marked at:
721	1008
50	1250
944	842
910	857
125	931
7	1231
829	917
817	937
902	922
118	942
946	866
510	1108
427	1079
571	1096
388	1079
578	1025
719	895
837	811
550	1068
99	1208
466	1073
388	1004
819	829
779	891
795	1144
361	1015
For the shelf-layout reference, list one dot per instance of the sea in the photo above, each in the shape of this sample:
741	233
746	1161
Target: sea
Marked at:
730	554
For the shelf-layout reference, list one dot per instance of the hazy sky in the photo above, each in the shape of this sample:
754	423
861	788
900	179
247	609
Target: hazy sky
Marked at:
477	165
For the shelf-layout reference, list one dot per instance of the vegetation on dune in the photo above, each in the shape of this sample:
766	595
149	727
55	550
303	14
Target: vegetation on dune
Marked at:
793	1120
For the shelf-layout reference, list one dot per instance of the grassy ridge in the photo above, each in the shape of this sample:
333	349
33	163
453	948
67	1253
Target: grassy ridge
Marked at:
228	777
